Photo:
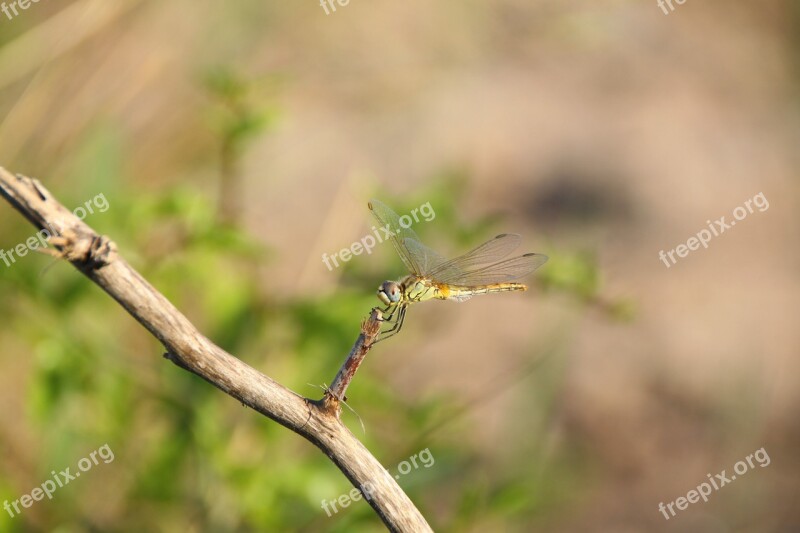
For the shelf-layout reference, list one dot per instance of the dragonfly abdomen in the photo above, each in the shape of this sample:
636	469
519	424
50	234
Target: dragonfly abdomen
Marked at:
456	292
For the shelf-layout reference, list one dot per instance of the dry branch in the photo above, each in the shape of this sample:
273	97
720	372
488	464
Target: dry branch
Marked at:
318	421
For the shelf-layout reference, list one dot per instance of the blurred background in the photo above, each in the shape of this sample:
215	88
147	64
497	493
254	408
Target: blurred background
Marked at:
236	143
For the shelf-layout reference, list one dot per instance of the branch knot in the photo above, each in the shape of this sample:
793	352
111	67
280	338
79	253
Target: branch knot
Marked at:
88	251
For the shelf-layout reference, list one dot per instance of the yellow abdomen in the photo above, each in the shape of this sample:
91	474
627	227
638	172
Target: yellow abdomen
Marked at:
456	292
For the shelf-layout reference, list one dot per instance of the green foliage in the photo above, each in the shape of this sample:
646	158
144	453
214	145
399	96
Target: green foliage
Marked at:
240	114
577	274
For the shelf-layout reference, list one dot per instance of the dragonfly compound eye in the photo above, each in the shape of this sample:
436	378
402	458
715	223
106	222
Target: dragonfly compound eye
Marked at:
389	292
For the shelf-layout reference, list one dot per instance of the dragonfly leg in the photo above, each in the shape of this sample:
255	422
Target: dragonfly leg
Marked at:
395	329
391	309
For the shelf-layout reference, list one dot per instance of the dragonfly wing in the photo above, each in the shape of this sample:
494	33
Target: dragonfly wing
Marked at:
389	221
426	259
487	253
501	272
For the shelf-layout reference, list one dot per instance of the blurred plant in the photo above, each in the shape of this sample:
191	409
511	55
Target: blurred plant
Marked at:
578	275
244	110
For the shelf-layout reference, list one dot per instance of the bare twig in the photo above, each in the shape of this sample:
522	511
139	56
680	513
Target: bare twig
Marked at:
318	421
369	332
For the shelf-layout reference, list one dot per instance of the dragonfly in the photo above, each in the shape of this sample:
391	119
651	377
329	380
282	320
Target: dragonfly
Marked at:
483	270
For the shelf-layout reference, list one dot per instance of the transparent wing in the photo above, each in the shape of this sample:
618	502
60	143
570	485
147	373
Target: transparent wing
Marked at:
417	257
487	253
426	259
501	272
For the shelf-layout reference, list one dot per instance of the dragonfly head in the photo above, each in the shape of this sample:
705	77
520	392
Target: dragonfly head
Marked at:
389	292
